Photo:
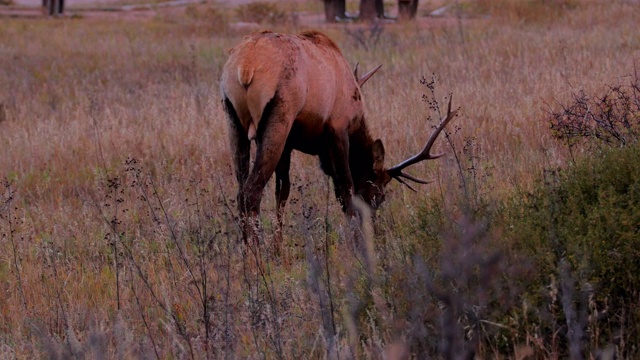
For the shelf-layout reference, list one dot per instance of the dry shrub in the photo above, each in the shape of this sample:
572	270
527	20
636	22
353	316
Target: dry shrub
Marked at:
612	118
581	226
524	10
208	16
261	12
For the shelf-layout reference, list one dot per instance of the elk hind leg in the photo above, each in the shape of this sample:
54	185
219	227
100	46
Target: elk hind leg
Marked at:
241	151
272	135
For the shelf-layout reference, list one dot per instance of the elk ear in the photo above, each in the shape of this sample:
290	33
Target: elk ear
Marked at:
378	155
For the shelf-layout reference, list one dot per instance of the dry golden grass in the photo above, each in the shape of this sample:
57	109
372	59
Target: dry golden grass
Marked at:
80	97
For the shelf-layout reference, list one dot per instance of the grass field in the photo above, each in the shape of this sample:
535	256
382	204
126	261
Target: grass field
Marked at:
117	210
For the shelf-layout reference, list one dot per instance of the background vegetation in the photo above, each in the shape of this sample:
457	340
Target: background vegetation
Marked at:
119	235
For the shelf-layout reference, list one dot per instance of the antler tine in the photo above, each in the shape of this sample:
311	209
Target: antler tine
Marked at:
425	154
366	76
355	70
406	184
412	178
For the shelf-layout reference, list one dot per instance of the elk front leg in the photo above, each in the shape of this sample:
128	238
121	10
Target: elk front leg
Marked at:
338	162
283	185
241	159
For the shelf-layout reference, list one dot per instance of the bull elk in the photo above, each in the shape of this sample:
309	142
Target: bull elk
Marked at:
297	92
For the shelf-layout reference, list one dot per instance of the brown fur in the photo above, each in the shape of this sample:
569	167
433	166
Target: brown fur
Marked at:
319	39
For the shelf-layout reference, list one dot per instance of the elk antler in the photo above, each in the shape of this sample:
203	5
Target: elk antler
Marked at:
366	76
396	171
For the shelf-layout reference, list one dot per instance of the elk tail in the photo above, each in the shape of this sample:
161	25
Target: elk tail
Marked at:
260	90
245	75
251	134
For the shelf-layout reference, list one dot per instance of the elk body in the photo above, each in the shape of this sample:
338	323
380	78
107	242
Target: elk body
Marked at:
297	92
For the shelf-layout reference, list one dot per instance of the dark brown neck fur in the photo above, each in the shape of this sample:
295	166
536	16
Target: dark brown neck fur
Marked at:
360	154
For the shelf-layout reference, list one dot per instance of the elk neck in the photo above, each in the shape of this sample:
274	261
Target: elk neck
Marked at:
360	153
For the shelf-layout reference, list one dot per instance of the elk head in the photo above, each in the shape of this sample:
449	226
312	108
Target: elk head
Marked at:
371	187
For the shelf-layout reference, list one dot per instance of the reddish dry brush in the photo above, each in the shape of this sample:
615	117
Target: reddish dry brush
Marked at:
613	118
